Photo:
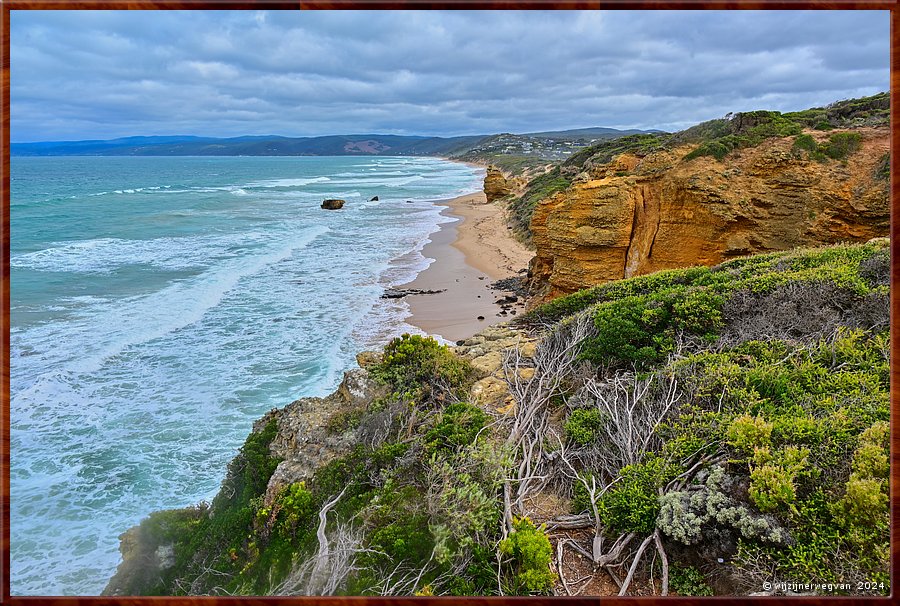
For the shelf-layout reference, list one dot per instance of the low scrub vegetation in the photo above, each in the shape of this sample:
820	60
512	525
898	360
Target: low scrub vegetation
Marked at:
838	146
770	448
539	188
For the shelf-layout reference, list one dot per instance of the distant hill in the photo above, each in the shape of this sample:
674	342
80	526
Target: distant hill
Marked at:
333	145
529	153
595	132
330	145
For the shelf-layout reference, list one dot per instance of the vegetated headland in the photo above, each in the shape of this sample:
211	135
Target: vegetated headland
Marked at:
695	403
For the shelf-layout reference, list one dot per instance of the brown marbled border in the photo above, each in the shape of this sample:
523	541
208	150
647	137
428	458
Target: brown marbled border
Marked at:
7	5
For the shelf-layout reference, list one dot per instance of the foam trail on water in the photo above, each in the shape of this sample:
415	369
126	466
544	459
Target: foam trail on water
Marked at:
104	331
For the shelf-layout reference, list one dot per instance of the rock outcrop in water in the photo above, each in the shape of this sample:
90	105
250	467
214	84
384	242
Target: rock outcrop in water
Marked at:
637	214
333	204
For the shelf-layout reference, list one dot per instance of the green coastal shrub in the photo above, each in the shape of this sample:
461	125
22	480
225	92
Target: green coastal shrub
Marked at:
249	472
641	328
717	149
770	487
296	506
638	319
746	433
584	425
404	540
631	329
840	145
568	305
747	129
868	111
865	499
466	509
687	580
531	554
632	504
837	265
805	142
457	426
413	365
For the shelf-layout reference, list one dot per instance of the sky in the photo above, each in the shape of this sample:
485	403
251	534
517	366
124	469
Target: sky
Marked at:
106	74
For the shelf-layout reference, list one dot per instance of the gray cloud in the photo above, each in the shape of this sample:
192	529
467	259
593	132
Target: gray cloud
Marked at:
103	74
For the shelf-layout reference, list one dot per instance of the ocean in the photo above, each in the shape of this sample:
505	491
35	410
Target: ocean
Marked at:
160	305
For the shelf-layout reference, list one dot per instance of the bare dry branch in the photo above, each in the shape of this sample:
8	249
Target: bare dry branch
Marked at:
634	565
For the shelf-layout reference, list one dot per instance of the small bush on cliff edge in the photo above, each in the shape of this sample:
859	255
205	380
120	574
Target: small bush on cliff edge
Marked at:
838	146
414	365
841	145
747	129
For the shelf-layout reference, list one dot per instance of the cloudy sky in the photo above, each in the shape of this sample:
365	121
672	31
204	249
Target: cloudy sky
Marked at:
106	74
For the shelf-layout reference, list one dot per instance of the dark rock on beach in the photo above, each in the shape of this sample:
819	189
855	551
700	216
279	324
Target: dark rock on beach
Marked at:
399	293
516	285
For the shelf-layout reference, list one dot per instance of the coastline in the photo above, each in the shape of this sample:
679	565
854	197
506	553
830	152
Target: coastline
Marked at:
469	255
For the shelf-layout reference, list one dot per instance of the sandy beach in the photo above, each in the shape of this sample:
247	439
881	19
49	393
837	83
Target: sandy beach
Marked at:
469	254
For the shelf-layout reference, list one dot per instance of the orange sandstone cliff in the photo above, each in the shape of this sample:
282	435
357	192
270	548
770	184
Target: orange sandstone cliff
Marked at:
496	185
635	215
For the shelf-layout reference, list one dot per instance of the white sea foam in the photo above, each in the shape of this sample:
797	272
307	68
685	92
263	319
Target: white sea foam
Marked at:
102	331
378	182
287	182
103	255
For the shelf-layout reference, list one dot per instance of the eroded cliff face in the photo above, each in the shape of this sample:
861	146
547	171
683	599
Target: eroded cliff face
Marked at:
636	215
496	185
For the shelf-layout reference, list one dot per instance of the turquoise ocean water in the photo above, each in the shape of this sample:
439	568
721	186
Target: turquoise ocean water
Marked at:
160	305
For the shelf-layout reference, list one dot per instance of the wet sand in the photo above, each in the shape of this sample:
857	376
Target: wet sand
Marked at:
469	254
